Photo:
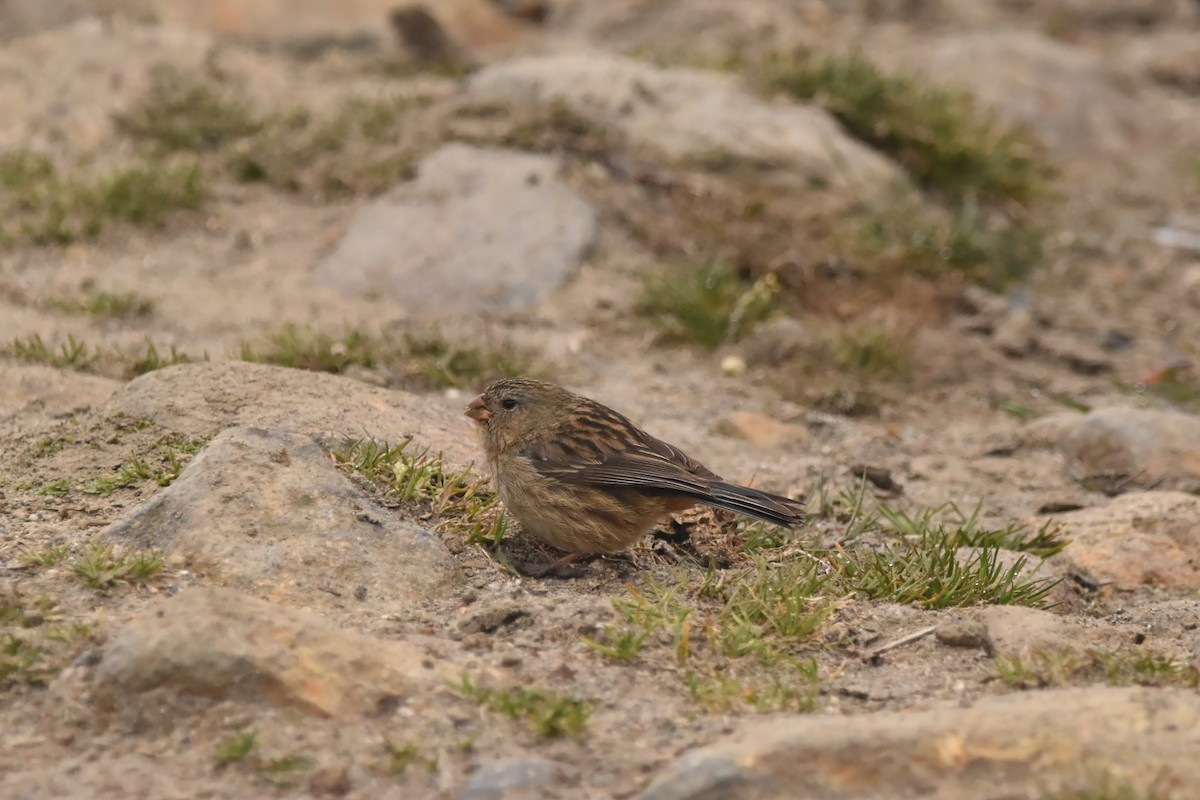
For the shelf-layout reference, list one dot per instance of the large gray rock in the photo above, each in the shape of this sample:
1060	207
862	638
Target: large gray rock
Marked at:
1021	745
216	644
1147	538
690	114
1060	92
479	230
1131	447
515	779
204	399
268	512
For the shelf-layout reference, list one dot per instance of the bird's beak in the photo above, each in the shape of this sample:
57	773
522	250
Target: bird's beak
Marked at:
477	410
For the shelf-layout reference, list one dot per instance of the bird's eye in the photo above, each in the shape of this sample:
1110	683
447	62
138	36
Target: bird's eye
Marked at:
508	403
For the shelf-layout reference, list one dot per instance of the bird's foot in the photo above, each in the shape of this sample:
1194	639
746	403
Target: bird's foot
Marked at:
565	567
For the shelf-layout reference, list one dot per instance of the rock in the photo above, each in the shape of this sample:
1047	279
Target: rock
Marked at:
1016	632
1059	92
480	230
1139	447
690	114
423	36
204	399
216	644
455	31
969	632
1041	433
758	429
1150	538
1016	333
1030	744
33	395
268	512
879	477
515	779
331	781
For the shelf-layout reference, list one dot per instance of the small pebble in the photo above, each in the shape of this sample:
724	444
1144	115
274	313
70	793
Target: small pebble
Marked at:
733	365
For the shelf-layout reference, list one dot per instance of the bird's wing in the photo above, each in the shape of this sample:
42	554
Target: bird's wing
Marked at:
604	448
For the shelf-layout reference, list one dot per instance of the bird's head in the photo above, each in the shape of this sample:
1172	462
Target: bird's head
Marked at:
515	411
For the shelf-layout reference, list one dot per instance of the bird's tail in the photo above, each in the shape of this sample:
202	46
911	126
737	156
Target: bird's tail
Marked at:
773	508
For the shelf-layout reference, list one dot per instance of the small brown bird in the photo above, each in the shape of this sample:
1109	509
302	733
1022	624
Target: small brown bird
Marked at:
584	479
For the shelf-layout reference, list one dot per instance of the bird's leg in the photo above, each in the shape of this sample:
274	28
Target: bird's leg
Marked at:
555	566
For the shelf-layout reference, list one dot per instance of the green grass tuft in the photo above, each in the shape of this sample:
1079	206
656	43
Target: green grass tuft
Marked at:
77	355
58	488
707	305
303	347
104	566
236	747
935	133
773	601
441	363
873	352
985	247
33	646
462	502
38	205
427	361
619	644
162	470
47	556
1067	667
145	195
151	359
351	151
790	686
402	757
929	571
107	305
73	354
968	531
22	662
182	113
550	714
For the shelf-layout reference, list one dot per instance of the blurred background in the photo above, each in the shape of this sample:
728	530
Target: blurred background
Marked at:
854	206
